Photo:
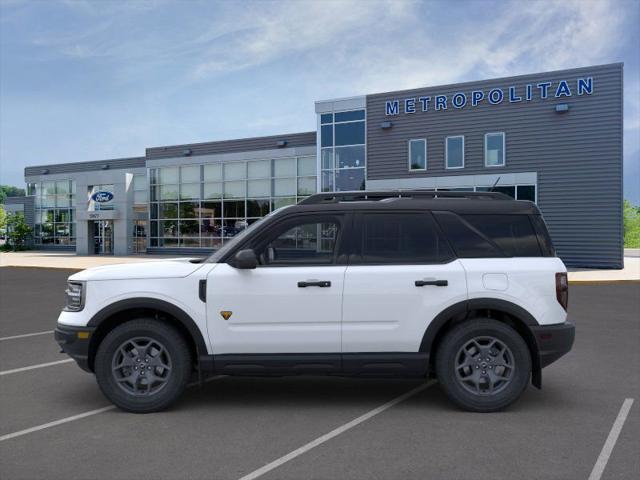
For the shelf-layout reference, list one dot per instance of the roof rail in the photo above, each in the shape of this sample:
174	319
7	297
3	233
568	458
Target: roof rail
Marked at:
361	196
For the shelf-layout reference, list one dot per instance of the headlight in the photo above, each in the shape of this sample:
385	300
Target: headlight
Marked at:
75	297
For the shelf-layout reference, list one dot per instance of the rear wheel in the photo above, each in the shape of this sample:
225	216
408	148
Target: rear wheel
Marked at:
483	365
143	365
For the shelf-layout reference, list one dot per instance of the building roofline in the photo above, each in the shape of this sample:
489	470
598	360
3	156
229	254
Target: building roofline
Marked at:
282	140
92	165
217	142
90	162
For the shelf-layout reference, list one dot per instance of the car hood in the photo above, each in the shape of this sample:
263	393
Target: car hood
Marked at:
172	268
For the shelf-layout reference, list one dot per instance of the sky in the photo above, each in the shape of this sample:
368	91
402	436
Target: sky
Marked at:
88	80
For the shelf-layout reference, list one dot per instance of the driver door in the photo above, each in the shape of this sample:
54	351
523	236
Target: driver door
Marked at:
290	303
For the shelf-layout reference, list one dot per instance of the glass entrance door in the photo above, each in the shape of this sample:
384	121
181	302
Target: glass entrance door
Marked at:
103	237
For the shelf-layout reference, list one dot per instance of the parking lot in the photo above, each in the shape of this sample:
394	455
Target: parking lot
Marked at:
56	424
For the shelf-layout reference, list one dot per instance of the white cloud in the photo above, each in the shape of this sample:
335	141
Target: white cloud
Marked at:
270	31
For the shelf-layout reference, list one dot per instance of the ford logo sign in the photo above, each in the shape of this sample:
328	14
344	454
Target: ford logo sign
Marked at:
102	197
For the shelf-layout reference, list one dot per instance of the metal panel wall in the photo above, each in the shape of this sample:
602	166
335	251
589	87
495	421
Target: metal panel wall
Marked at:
231	146
96	165
577	155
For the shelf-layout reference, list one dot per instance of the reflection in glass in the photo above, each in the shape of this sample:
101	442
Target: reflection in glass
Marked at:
350	179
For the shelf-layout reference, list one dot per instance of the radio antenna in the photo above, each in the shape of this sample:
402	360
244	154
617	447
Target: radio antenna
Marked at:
494	185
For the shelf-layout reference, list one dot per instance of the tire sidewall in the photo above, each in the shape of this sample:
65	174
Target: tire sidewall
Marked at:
459	336
176	348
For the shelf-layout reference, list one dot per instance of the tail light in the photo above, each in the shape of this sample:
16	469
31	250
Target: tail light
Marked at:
562	289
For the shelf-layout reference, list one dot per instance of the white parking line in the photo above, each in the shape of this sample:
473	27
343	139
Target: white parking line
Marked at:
90	413
56	422
601	463
334	433
32	367
24	335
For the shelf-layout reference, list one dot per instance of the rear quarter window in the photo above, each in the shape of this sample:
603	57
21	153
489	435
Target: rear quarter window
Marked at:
513	234
546	245
482	236
467	241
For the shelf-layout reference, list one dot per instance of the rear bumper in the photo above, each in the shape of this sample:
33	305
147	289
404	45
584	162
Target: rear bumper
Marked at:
73	344
553	341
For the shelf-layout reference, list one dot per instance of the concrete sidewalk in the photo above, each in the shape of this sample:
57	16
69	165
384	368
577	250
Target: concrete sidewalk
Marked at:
630	273
49	259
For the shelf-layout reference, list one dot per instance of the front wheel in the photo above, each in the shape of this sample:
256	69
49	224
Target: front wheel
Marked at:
143	365
483	365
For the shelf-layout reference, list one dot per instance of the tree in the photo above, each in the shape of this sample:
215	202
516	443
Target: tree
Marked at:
3	219
10	191
17	231
631	215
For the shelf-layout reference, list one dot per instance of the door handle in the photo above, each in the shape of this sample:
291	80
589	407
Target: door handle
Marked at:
314	283
437	283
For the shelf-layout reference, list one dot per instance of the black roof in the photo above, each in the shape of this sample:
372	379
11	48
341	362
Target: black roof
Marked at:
459	202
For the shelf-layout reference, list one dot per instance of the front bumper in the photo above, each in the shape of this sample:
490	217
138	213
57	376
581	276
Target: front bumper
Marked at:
74	341
553	341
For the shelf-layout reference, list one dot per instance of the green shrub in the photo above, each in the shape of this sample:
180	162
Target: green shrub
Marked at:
631	225
17	231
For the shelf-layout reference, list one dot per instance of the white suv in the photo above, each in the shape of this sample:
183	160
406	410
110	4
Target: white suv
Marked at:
462	286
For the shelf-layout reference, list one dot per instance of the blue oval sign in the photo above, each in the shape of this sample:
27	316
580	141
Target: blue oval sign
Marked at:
102	197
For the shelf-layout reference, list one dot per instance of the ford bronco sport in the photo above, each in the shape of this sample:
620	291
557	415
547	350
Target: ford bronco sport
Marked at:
462	286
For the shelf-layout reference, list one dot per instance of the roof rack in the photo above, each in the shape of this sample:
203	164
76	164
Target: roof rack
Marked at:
361	196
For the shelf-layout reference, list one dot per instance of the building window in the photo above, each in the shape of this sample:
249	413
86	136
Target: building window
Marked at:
54	212
494	150
140	189
204	205
418	154
343	151
519	192
526	192
454	152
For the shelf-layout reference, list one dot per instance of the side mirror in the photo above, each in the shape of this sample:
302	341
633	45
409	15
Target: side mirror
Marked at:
245	259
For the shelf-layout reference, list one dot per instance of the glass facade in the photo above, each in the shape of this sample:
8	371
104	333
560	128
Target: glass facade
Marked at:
54	212
202	205
343	151
140	209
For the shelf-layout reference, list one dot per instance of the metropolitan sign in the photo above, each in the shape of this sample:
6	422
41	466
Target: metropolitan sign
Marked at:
494	96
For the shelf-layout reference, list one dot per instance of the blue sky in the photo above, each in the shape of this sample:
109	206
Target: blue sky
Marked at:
87	80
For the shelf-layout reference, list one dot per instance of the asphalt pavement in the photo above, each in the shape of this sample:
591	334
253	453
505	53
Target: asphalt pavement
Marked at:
317	427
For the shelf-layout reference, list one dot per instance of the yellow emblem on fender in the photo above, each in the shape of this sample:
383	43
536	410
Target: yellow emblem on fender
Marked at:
226	314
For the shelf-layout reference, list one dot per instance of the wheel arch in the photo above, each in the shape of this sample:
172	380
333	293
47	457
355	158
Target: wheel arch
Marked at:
119	312
497	309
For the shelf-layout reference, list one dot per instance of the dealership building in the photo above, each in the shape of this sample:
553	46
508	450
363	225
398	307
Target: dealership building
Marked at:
553	138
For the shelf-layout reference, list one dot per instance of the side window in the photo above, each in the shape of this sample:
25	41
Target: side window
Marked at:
514	234
402	238
467	241
306	242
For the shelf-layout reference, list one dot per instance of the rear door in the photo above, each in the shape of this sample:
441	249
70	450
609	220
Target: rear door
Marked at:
401	275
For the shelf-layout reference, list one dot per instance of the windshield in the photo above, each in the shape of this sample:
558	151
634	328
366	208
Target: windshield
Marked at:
231	244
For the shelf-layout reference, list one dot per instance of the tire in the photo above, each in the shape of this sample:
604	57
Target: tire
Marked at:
135	352
472	382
